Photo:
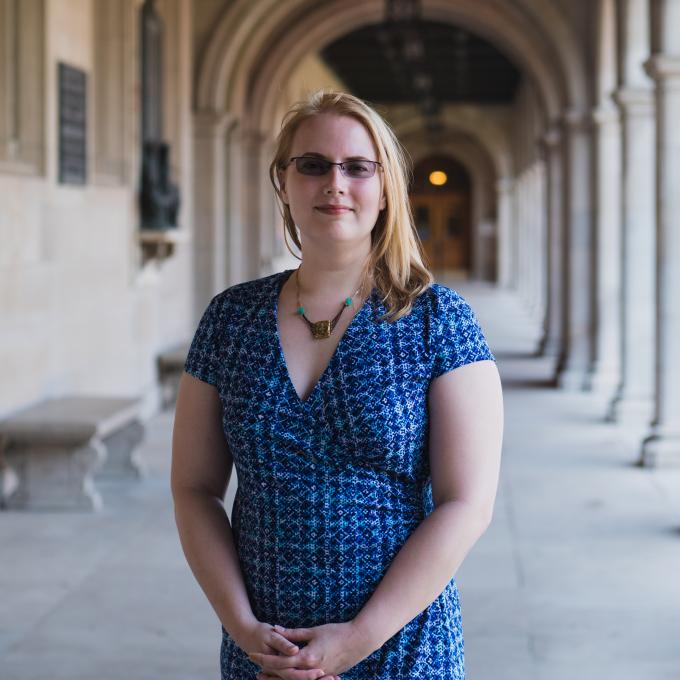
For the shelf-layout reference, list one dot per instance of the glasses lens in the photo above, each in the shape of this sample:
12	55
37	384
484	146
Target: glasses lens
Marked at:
306	165
359	169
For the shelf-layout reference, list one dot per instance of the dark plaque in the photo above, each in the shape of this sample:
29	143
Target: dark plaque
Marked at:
72	125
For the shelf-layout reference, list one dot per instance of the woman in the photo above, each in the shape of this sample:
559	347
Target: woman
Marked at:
362	408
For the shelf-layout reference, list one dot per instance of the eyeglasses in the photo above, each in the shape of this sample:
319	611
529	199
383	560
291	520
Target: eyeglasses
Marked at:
316	167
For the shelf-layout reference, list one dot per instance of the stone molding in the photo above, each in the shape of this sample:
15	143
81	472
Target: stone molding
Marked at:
663	68
635	101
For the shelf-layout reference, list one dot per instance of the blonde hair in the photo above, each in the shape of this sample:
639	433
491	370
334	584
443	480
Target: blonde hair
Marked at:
395	260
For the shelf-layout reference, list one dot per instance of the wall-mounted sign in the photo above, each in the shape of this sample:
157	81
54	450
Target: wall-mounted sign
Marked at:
72	125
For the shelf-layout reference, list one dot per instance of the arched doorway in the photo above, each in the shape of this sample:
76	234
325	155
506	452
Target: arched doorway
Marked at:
440	200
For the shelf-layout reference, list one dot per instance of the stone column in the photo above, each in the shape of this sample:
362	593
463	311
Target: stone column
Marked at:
536	241
504	220
522	231
234	189
209	231
606	367
528	244
633	403
574	363
662	446
252	142
552	328
516	234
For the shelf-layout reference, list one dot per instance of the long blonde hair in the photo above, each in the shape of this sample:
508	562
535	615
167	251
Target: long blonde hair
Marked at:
395	260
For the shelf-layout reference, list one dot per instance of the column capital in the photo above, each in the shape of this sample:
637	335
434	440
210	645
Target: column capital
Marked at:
635	101
604	114
576	121
252	136
551	137
663	67
212	123
504	185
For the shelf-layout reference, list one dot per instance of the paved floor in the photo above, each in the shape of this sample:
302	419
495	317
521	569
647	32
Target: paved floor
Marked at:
578	576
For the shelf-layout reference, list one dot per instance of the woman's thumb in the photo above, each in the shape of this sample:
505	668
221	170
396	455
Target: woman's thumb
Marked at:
294	633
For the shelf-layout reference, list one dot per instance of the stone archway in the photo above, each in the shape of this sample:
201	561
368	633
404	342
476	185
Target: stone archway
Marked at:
256	45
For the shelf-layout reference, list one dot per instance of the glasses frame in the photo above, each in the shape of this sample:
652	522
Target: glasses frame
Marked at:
341	165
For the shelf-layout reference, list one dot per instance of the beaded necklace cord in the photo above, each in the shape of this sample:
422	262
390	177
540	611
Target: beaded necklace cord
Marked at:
320	329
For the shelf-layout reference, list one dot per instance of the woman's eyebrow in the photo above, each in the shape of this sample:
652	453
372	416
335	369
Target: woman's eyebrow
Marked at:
316	154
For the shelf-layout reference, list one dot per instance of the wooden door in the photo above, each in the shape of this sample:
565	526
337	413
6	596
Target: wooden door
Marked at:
443	225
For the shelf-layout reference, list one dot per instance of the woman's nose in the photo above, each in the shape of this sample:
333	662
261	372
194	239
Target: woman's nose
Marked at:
335	180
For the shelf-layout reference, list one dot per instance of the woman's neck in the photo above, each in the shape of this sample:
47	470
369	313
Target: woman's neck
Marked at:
324	282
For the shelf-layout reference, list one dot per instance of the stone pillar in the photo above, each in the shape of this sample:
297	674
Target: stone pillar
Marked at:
504	220
234	188
209	206
551	342
606	367
515	234
574	363
662	446
523	241
633	405
518	233
252	142
542	222
528	244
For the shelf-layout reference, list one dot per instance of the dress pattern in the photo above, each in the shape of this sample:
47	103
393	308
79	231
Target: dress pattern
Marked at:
330	487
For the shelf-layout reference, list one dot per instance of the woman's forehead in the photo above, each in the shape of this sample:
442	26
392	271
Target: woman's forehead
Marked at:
333	135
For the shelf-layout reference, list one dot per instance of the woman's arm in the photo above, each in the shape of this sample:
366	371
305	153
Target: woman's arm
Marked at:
465	439
201	468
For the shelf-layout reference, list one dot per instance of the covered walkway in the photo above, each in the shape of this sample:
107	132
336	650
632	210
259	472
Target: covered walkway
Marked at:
576	578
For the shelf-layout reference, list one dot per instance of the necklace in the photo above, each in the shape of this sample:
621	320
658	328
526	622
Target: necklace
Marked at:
320	329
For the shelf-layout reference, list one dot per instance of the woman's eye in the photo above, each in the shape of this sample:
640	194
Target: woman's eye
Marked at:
357	168
311	166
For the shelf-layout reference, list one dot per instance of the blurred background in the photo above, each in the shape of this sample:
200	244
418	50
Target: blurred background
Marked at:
135	140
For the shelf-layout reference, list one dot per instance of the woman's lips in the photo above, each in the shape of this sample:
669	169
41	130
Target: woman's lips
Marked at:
334	209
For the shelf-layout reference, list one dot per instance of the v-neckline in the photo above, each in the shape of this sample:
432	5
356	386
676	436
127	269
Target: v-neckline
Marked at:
281	280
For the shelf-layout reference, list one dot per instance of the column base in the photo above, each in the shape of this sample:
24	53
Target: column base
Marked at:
661	451
631	412
605	380
549	346
573	380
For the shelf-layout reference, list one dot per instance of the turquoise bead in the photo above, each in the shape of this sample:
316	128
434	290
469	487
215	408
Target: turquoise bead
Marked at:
348	301
301	310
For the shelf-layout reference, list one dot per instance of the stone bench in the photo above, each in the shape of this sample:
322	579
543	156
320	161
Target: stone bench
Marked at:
170	367
56	446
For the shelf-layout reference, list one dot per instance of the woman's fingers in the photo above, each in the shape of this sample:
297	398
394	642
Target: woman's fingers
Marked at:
294	674
280	643
294	633
267	676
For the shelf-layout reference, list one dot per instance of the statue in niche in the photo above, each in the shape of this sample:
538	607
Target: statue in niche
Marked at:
160	198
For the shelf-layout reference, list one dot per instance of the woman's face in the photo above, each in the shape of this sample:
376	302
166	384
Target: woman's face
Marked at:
356	202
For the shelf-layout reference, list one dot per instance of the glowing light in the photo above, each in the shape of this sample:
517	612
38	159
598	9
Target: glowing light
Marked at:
438	178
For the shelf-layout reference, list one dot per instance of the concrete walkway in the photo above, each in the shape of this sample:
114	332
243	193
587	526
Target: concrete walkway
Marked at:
578	576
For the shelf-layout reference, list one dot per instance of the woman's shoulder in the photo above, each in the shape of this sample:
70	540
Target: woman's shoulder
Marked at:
439	300
246	294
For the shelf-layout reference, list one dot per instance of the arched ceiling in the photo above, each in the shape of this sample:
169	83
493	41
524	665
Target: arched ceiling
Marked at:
462	67
257	43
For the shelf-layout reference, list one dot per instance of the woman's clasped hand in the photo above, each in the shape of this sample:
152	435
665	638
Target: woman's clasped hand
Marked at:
331	649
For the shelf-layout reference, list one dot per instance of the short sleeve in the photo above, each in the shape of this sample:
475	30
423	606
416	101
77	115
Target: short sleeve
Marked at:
202	359
458	337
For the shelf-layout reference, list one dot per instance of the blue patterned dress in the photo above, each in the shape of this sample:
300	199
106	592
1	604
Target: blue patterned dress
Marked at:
331	487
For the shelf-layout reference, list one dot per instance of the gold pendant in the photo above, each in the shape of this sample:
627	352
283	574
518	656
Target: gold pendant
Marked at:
321	329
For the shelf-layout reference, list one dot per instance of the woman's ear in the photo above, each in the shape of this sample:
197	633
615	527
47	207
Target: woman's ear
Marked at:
383	202
282	185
